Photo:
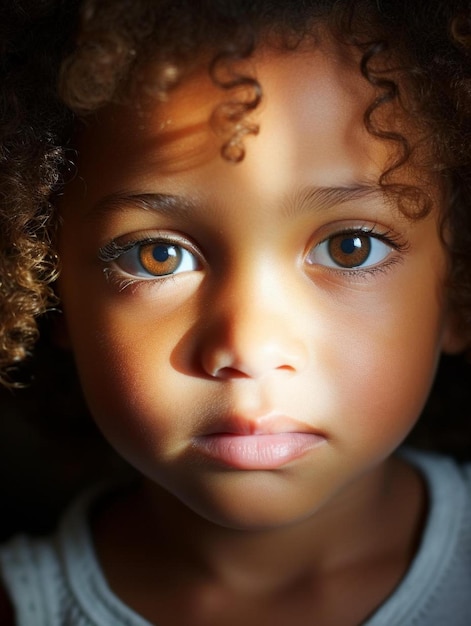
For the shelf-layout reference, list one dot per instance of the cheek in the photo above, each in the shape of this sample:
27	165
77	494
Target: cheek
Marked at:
386	357
124	358
127	390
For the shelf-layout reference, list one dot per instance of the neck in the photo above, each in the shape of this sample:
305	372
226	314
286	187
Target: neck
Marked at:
380	513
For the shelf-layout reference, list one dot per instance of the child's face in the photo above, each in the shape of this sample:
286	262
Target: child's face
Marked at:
275	362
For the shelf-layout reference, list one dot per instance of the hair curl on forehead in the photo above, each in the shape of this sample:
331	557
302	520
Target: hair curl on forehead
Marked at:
76	57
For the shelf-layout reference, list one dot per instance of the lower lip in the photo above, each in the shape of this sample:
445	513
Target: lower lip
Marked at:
257	452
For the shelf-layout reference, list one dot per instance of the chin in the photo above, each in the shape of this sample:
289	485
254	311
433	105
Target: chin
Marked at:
249	503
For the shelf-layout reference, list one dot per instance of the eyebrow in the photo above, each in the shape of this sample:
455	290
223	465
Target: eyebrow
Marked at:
163	203
307	200
320	199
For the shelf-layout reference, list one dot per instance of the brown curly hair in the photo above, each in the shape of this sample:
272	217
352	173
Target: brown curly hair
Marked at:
62	60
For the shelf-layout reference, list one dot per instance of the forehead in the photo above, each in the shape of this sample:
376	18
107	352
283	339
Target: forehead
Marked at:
310	127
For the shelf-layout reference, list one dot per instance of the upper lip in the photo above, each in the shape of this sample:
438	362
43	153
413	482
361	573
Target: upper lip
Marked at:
266	424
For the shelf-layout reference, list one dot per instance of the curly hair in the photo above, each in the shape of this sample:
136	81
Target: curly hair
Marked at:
32	119
62	60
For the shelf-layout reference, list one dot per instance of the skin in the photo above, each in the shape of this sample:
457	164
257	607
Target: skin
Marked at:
258	326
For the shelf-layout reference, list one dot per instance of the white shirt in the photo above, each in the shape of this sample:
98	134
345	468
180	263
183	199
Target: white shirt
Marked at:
57	581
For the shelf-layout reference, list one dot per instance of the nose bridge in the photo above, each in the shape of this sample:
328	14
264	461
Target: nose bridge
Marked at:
252	329
257	295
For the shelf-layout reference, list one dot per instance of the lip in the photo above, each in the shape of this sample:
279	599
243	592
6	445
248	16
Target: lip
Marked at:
257	452
265	443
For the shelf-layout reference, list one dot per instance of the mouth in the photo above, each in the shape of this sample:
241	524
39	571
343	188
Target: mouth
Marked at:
266	443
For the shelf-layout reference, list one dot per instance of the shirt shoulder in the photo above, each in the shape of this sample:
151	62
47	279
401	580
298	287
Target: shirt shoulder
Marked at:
57	580
436	589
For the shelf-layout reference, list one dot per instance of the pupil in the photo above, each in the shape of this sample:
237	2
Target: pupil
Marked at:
349	246
161	254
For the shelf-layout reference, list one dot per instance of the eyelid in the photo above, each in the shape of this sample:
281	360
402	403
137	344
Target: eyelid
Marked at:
391	239
114	250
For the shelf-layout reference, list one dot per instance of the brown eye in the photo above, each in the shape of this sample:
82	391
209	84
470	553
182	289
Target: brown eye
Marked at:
349	251
157	259
160	259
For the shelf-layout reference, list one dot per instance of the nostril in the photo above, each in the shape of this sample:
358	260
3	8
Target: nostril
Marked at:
226	373
286	368
231	373
255	355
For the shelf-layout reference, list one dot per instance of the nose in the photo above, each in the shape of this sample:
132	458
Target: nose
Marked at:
252	332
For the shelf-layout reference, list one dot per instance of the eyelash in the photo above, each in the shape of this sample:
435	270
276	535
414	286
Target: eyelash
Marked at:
112	251
386	237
